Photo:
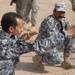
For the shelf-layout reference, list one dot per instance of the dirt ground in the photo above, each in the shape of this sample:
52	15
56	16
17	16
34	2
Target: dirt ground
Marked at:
26	66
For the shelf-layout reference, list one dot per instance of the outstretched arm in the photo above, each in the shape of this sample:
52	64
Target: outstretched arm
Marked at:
27	36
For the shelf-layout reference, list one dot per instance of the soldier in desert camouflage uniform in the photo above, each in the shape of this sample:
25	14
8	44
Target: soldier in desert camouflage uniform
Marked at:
52	25
24	7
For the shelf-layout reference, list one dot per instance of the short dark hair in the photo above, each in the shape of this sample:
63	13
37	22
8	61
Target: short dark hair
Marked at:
9	19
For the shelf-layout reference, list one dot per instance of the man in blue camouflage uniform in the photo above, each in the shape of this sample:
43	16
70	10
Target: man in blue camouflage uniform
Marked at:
51	26
11	46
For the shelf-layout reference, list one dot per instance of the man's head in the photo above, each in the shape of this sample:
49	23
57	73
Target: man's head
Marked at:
12	23
59	10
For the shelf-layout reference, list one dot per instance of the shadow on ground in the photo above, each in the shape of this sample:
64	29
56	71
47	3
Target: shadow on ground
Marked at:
29	67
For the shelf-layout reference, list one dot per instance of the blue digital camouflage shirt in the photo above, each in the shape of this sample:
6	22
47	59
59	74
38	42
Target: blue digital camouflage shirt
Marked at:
58	40
10	49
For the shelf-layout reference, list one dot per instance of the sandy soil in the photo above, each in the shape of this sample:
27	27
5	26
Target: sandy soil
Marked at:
26	66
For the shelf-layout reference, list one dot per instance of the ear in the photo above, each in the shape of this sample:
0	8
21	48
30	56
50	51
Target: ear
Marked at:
11	29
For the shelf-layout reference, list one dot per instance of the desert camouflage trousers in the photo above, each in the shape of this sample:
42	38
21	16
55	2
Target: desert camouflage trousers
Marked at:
24	7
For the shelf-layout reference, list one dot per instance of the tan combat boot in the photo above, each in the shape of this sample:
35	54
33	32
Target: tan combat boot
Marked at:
38	62
65	64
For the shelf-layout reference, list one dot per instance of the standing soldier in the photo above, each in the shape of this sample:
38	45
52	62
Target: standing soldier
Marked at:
23	7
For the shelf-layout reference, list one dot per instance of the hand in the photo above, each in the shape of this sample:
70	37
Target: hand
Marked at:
33	33
28	35
70	30
25	36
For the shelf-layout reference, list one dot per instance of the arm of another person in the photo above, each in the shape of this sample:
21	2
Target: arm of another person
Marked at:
73	5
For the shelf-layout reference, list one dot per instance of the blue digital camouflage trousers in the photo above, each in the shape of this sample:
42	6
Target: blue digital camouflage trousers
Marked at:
50	49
